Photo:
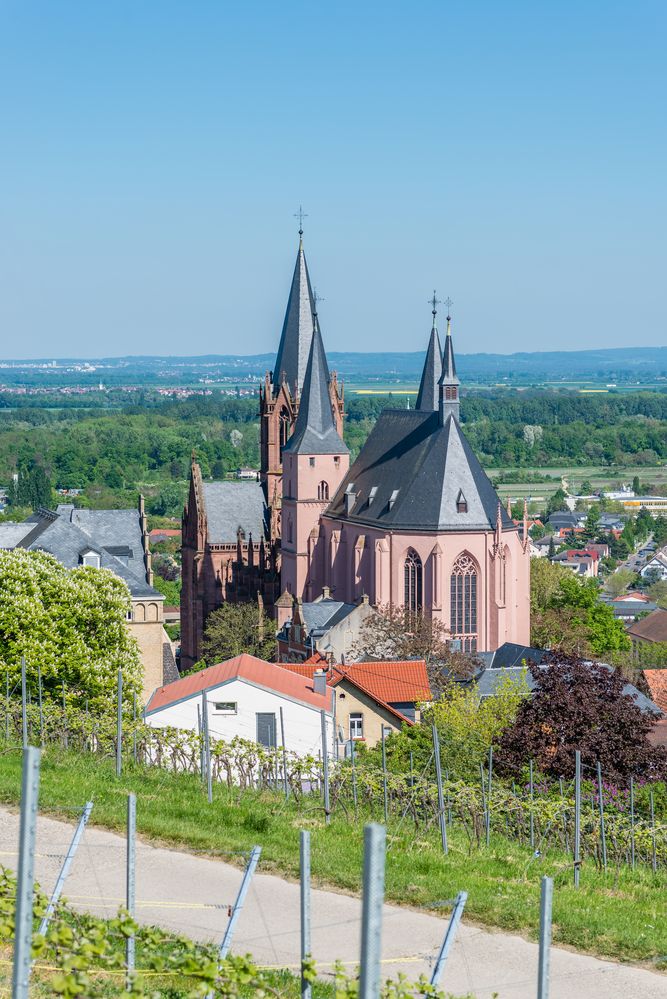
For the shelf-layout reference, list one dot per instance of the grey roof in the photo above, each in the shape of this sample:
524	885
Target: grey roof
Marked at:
169	667
297	333
67	542
428	395
11	534
115	528
233	505
449	376
315	430
320	615
489	681
566	518
417	468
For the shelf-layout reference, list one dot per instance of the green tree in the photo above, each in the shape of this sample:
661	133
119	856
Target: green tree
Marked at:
636	487
592	523
70	622
658	592
236	628
556	502
619	581
586	487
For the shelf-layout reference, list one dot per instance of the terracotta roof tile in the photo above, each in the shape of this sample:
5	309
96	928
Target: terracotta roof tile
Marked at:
257	671
657	682
388	681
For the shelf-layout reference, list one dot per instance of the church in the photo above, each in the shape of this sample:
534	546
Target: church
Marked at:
413	522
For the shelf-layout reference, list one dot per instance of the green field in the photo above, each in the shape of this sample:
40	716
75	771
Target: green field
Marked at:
620	915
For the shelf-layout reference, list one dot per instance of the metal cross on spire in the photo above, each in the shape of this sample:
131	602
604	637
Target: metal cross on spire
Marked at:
316	298
434	303
448	303
300	215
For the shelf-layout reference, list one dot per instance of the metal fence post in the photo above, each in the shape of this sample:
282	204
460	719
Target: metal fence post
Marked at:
385	797
240	899
442	818
354	774
632	822
654	858
577	816
325	766
200	731
532	802
7	706
450	933
207	747
565	815
41	706
488	797
375	838
26	873
65	732
131	880
119	725
304	857
282	739
64	870
603	832
24	714
546	900
134	727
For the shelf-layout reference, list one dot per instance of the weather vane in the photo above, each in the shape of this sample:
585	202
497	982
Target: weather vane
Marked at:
300	215
434	303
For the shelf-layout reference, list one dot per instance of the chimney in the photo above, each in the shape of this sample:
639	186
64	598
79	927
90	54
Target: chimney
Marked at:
320	682
326	593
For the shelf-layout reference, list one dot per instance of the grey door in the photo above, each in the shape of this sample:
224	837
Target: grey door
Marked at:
266	729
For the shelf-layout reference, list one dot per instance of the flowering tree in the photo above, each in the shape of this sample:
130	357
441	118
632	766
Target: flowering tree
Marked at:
69	622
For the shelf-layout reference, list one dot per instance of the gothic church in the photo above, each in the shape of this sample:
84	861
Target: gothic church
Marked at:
413	522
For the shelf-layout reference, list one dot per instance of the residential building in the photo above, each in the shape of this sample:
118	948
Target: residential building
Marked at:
656	567
243	698
652	628
631	606
109	539
331	627
582	561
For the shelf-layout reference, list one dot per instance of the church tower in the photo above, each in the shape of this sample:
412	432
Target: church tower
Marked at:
281	390
449	403
315	462
428	395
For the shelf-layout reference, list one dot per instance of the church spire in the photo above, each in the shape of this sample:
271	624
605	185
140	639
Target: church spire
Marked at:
297	332
315	428
449	382
427	397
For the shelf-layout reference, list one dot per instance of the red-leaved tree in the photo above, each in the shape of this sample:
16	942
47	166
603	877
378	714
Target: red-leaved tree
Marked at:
579	705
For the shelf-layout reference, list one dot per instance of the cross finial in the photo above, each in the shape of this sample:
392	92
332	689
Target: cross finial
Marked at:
300	215
316	298
434	303
448	303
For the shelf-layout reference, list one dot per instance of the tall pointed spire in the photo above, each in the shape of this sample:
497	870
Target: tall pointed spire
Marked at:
315	428
449	382
428	395
297	332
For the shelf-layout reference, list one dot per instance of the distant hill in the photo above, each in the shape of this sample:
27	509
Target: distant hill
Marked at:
619	365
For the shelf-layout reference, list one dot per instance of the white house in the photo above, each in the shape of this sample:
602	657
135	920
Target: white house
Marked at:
244	697
656	568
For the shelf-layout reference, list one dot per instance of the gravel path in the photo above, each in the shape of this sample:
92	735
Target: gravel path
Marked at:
189	894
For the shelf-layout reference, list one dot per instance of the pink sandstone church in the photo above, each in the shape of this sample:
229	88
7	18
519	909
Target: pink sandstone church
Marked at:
414	522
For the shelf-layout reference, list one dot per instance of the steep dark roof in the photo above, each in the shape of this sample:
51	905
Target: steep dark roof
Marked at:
417	469
315	430
234	505
297	331
448	363
427	399
652	628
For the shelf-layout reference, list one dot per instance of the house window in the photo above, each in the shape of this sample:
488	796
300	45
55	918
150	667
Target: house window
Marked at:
336	461
91	558
412	576
311	462
450	392
225	708
323	491
266	729
356	726
464	602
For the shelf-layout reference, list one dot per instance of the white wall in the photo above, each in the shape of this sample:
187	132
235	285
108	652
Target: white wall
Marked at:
302	723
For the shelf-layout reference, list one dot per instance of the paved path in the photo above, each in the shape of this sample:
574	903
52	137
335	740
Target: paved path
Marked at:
178	891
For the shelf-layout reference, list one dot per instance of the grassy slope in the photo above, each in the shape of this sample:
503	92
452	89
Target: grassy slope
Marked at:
618	916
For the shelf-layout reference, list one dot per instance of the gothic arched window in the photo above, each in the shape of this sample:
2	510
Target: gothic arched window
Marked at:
284	426
412	576
464	602
323	491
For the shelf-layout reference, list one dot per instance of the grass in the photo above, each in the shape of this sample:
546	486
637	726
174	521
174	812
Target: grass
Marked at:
620	915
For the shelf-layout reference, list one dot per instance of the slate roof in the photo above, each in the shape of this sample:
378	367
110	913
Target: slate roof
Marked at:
315	429
234	505
320	615
652	628
11	534
427	398
297	331
418	468
256	671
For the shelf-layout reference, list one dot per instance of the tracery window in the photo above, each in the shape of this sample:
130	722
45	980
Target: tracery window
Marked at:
412	576
284	426
323	491
464	602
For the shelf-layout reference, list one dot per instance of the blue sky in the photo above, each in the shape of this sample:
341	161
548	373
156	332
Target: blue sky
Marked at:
152	154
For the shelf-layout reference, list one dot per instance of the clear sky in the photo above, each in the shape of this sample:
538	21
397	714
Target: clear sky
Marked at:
509	154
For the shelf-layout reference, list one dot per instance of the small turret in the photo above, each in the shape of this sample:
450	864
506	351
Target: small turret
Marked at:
449	383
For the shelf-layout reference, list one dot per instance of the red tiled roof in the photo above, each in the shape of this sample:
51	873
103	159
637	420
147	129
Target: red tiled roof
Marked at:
164	532
387	681
657	682
246	667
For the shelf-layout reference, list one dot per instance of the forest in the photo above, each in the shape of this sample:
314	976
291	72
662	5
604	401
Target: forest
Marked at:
146	443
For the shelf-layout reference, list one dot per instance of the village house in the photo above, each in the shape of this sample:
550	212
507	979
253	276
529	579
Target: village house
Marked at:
656	567
330	627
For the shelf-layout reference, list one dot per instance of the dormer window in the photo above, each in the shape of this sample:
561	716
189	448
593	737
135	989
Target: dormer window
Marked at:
372	494
461	503
393	498
91	558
